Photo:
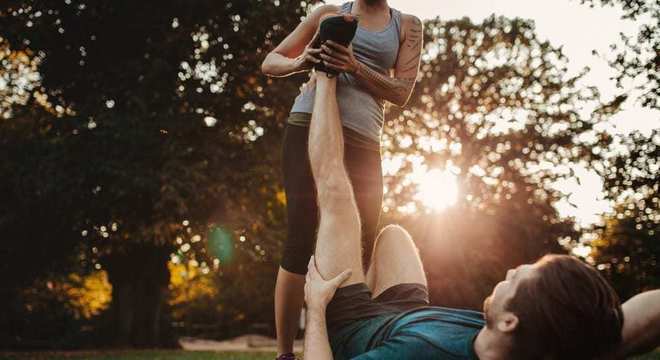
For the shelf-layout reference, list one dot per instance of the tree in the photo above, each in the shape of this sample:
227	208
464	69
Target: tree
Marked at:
162	119
627	249
638	59
494	107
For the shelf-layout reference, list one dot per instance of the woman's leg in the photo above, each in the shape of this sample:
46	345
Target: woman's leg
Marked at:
289	300
364	169
302	223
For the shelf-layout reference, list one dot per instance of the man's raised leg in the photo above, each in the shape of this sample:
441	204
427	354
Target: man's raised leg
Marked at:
338	244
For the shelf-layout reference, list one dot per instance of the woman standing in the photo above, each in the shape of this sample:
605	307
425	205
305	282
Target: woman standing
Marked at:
380	65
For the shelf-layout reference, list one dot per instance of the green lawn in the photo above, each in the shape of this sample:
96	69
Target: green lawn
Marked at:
144	355
174	355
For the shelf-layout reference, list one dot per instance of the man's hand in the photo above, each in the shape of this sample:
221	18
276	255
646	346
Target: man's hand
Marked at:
338	57
318	291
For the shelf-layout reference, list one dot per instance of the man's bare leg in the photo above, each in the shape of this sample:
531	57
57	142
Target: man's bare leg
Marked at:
338	244
394	260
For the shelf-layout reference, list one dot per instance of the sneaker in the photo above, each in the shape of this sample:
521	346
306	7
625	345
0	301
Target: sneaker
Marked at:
289	356
340	29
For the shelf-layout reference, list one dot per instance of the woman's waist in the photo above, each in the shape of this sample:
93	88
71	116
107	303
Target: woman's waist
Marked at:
352	137
351	99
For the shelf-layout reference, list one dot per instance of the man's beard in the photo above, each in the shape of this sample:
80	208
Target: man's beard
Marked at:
372	2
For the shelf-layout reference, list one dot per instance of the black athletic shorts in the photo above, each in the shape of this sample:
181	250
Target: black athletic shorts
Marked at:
354	303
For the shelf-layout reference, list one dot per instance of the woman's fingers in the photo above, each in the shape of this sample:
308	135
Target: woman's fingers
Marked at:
341	64
313	55
311	58
333	51
333	46
334	67
333	60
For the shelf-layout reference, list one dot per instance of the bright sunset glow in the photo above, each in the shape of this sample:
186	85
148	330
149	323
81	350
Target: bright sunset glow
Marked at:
586	201
437	189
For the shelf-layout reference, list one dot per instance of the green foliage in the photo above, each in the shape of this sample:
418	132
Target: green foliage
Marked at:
628	247
147	119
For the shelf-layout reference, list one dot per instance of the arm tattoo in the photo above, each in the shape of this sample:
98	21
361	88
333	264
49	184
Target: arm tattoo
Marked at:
391	89
395	90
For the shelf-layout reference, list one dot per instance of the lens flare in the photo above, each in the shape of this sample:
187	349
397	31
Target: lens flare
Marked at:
221	244
437	189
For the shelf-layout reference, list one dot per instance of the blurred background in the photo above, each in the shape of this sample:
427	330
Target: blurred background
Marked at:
140	186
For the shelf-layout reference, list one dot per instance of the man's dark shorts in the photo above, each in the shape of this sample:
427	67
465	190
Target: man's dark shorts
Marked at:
353	303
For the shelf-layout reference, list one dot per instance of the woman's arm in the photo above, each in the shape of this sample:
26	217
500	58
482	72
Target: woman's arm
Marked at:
397	89
293	55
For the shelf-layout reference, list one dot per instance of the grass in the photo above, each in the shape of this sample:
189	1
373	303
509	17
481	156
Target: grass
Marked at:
175	355
142	355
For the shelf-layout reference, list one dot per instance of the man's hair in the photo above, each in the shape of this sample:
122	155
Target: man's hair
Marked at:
567	311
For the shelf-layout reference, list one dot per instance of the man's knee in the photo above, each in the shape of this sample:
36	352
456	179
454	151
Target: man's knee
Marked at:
395	260
393	235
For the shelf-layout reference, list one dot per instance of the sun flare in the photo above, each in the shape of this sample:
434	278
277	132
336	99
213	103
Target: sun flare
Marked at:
437	189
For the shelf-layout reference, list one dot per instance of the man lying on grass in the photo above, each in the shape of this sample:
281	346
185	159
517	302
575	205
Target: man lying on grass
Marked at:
556	308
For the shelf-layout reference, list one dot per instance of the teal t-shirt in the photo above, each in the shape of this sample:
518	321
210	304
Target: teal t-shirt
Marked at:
424	333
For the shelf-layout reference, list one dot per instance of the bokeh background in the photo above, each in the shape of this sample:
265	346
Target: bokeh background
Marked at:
140	185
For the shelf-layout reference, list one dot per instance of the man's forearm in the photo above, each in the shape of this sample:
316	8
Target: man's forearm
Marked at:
394	90
317	344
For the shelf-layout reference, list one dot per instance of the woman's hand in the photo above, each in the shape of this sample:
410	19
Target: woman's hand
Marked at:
318	291
339	57
308	58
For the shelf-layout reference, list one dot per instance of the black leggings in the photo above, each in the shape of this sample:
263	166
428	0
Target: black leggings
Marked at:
364	170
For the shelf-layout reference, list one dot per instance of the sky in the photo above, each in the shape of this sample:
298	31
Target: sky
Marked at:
580	30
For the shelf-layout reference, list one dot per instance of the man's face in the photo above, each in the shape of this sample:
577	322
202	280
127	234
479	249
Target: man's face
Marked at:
495	304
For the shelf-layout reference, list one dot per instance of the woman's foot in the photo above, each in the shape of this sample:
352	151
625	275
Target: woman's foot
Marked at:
338	28
289	356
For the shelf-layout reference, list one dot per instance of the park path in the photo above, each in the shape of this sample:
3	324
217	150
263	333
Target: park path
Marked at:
250	342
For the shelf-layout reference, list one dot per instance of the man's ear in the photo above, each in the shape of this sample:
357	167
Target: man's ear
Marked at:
507	322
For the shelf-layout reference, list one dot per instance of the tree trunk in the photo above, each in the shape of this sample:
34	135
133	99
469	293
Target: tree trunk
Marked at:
139	278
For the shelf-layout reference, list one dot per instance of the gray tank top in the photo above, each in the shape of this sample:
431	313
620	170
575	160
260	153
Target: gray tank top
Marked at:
359	110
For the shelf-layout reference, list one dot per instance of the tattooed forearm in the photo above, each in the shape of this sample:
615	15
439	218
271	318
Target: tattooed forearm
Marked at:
394	90
398	89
